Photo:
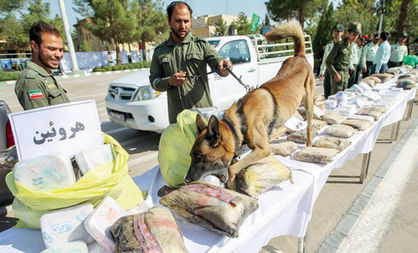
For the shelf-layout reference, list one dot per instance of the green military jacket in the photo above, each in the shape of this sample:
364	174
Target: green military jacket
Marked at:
339	57
36	88
190	56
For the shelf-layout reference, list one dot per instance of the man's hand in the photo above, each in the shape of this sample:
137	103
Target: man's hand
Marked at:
223	65
321	78
337	77
178	79
364	69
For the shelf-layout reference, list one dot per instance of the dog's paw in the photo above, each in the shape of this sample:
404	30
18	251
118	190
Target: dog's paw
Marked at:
165	190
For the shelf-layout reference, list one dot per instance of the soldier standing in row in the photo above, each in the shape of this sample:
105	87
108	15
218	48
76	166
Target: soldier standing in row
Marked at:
324	76
339	58
398	52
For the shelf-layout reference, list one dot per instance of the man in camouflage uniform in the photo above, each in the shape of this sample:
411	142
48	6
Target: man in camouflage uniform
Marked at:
179	64
339	58
36	86
337	34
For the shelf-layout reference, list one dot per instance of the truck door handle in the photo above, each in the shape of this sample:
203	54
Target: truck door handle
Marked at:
251	70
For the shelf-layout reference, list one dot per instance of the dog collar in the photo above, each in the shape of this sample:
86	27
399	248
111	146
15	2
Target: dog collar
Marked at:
237	143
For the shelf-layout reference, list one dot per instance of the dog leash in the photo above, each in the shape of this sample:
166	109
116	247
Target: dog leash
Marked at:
247	87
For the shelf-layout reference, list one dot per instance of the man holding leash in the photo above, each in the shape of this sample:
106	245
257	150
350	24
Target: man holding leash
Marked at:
179	64
36	85
339	58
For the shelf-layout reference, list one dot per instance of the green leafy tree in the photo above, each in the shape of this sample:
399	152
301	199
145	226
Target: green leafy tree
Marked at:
7	7
220	27
323	33
85	47
13	33
37	11
242	25
266	20
110	20
363	11
285	10
150	23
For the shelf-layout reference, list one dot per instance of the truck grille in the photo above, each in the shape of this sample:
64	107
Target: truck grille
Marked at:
121	93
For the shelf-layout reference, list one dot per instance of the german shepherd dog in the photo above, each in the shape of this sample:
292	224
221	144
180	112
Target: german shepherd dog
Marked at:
253	118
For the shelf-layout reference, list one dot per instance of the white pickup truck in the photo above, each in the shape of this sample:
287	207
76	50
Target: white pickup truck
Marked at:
131	101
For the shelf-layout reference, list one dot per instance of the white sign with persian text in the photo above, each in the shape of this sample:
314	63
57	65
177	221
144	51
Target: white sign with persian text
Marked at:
64	128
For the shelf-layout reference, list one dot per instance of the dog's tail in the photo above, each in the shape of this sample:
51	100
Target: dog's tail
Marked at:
287	30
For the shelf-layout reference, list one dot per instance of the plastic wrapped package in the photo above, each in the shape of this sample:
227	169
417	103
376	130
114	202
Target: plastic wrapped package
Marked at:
332	142
361	117
384	77
92	157
339	130
153	231
98	223
316	155
300	136
317	124
69	247
373	111
110	179
65	225
333	118
284	148
215	208
262	176
358	124
45	173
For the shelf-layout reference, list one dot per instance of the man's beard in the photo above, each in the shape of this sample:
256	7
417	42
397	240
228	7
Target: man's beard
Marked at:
177	35
44	61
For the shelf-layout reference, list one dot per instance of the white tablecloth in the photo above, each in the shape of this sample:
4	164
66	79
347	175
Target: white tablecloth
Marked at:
284	210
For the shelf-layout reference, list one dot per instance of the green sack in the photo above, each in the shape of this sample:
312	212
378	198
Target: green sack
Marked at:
411	60
176	142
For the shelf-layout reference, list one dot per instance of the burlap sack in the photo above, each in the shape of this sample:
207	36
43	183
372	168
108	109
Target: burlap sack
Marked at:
163	233
316	155
262	176
284	149
343	131
358	124
332	142
333	118
220	215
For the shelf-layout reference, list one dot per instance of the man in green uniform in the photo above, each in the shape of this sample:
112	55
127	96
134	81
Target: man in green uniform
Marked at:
398	52
36	86
338	59
179	64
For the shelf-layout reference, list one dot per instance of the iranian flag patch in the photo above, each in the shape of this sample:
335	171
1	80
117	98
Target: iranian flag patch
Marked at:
35	94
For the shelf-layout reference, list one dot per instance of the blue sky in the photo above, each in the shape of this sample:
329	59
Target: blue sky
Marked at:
199	7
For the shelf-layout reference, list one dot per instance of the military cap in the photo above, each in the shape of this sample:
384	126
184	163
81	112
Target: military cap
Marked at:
339	27
354	27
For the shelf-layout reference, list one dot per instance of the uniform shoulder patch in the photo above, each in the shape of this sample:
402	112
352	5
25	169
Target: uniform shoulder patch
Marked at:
33	94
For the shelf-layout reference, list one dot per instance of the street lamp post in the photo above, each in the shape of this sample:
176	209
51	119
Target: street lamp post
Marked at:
68	35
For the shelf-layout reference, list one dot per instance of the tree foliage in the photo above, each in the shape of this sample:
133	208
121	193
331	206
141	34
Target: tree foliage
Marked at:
242	25
220	27
110	20
149	22
285	10
323	33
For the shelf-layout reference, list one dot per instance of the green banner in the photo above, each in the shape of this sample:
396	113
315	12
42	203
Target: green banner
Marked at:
254	22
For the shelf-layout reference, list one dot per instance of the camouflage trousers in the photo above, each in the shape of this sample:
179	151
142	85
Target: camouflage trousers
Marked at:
341	85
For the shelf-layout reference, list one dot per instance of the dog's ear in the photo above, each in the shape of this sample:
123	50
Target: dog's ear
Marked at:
200	124
213	133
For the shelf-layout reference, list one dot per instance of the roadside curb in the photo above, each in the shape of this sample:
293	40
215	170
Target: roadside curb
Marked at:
80	74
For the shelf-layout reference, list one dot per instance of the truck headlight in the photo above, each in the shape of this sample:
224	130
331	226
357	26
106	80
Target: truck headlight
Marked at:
145	93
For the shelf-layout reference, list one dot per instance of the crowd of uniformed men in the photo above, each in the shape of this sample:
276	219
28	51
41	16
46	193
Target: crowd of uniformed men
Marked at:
347	60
